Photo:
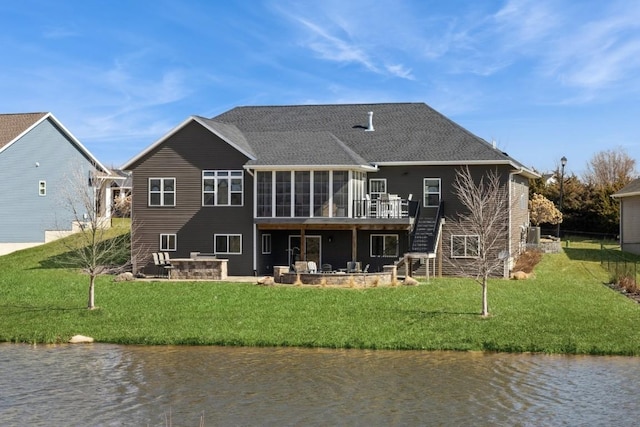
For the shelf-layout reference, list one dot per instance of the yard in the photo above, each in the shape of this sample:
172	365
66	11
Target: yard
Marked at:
564	307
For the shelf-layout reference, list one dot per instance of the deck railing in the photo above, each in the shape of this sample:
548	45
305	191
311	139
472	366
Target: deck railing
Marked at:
381	208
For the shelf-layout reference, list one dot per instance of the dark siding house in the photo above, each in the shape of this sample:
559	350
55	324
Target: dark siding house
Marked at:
267	186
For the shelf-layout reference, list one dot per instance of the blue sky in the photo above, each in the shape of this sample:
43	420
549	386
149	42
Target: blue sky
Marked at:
543	78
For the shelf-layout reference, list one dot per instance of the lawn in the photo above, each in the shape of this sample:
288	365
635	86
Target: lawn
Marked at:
565	307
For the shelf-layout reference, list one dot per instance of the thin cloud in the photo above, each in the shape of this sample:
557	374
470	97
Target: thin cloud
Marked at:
600	53
526	21
333	48
401	71
60	33
340	32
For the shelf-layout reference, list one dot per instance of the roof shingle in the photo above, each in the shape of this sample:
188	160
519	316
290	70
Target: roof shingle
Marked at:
12	125
404	132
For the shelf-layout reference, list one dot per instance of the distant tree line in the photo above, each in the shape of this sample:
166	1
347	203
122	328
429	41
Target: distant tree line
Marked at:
587	205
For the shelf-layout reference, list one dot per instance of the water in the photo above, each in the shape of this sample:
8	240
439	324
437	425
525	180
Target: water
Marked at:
109	385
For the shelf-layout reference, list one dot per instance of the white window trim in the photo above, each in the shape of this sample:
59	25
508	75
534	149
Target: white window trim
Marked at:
162	191
356	190
215	237
383	245
266	244
378	193
424	192
466	237
167	248
42	188
228	178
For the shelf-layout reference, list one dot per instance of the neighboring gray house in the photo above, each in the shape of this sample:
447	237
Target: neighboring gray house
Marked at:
37	158
266	186
629	197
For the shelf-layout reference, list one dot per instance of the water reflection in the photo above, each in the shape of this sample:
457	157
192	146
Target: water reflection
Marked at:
139	386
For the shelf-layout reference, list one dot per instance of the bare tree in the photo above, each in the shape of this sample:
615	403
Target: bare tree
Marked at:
611	168
95	248
485	220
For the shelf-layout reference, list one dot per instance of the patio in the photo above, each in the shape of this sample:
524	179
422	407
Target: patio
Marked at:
336	278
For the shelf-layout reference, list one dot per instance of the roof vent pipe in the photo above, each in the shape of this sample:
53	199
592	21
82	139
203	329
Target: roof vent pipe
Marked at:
370	127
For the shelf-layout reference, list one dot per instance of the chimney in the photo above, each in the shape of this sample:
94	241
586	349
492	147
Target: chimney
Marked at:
370	127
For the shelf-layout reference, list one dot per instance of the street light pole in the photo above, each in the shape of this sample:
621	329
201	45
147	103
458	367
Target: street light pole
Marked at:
563	162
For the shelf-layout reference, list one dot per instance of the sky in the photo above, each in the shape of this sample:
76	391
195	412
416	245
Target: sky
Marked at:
541	78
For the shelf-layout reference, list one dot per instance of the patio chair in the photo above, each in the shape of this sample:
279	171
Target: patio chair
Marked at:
166	262
159	264
369	207
312	267
353	267
327	268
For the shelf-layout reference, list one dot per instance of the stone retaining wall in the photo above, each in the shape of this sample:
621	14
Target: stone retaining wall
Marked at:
547	247
339	279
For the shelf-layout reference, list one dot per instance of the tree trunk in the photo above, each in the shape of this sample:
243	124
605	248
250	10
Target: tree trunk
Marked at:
485	304
92	280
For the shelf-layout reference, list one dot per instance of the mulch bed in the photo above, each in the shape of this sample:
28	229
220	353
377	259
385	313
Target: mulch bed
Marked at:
635	296
528	260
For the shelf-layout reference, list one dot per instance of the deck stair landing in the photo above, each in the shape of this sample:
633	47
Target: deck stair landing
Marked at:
423	243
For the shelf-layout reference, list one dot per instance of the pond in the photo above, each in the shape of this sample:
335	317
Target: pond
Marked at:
111	385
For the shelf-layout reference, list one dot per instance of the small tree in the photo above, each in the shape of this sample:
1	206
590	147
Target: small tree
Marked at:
94	248
122	206
543	211
486	216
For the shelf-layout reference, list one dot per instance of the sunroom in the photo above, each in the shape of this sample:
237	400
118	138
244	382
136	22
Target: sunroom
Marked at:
327	195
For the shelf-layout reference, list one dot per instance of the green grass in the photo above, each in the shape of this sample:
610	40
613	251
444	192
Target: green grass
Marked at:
565	308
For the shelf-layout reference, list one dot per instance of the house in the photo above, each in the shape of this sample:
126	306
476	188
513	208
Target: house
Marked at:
38	155
629	197
266	186
120	192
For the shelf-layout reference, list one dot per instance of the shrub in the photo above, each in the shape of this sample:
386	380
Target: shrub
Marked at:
628	283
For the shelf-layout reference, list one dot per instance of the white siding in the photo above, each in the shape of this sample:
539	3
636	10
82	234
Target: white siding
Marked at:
630	224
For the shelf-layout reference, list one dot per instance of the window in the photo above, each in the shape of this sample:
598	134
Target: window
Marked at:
384	245
431	192
227	244
168	242
321	194
283	193
222	188
306	193
302	206
465	246
42	188
377	187
162	191
266	243
340	193
264	203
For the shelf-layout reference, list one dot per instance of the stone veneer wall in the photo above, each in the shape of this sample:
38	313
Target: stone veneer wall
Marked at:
212	269
337	279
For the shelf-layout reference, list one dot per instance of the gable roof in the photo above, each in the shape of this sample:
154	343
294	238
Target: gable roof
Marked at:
14	126
631	189
338	135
